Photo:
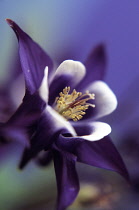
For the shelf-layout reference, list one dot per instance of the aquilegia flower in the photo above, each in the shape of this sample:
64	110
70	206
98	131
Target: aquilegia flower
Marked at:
58	117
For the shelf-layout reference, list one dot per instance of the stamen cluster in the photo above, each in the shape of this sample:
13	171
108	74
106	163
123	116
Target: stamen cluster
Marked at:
73	106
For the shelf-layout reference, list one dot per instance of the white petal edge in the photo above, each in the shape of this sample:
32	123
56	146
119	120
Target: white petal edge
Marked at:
59	121
106	100
74	68
43	90
100	130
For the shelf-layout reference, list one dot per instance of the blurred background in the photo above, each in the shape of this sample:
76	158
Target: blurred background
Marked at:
70	29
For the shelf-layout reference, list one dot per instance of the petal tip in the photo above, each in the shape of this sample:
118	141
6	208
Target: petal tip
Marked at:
9	21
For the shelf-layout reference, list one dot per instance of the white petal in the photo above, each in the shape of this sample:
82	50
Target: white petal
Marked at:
100	130
60	122
75	69
43	90
105	99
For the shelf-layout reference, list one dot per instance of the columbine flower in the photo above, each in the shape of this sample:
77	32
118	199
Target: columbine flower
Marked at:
58	115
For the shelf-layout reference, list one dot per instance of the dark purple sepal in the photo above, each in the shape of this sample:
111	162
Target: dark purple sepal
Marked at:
39	141
28	154
18	126
45	133
101	153
29	111
33	59
95	65
67	179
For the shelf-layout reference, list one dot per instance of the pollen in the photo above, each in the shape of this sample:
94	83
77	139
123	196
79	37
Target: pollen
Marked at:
73	105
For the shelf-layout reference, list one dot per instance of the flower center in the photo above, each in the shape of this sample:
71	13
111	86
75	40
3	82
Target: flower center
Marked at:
73	106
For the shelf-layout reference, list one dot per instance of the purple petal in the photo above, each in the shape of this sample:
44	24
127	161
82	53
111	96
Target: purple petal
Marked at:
69	73
33	59
95	66
67	179
102	153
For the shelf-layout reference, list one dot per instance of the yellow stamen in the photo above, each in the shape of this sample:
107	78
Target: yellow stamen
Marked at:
73	106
